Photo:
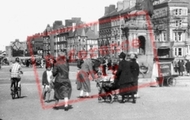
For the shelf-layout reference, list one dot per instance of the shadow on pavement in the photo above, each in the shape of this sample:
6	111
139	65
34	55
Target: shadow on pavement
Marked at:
20	98
63	107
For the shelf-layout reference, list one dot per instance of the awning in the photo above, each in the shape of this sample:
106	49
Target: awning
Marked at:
164	47
163	51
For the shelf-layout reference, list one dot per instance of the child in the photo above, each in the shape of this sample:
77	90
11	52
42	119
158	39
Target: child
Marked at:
99	79
47	80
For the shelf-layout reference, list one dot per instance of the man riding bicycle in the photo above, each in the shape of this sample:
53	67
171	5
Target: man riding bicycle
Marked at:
15	74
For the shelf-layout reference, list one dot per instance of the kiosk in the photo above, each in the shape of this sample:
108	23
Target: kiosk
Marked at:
163	71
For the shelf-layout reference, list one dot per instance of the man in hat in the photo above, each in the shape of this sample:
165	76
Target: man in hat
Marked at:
124	76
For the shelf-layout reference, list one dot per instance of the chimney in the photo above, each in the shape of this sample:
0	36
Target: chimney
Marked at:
68	23
111	8
56	24
126	4
106	10
132	3
119	5
76	19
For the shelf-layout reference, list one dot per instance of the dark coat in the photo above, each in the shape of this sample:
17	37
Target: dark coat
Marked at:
124	73
187	65
61	71
62	84
134	69
181	67
135	74
44	78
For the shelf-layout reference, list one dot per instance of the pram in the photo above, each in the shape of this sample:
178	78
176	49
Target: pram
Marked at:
106	91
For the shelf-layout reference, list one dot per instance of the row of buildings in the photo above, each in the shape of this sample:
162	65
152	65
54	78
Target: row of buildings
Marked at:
75	42
168	36
164	34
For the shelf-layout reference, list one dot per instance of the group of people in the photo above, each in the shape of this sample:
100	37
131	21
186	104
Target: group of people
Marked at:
56	76
181	66
125	75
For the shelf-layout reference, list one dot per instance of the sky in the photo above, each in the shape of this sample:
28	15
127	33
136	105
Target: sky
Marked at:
22	18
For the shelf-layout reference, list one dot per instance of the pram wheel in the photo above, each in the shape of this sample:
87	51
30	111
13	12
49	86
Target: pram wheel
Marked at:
110	98
99	99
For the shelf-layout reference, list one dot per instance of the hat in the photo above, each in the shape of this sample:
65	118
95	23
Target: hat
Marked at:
17	59
133	56
122	55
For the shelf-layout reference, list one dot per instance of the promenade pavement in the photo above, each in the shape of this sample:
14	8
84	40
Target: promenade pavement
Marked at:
155	103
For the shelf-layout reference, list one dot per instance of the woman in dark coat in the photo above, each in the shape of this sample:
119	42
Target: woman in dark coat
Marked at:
181	67
124	76
187	65
135	74
62	84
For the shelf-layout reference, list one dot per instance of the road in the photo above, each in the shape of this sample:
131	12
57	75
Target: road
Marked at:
155	103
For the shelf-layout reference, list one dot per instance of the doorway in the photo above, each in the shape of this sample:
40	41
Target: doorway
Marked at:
142	45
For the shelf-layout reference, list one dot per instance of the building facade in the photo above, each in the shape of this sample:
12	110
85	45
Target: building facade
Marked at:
60	43
18	48
170	21
48	42
111	35
92	41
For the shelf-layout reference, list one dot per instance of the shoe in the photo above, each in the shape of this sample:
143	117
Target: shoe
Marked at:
134	101
80	96
56	108
48	101
66	108
88	97
122	101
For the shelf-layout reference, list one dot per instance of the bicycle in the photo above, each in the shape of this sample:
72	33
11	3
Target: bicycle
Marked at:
16	89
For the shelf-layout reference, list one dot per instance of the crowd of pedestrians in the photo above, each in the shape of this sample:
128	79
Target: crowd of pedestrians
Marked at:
182	67
56	76
126	75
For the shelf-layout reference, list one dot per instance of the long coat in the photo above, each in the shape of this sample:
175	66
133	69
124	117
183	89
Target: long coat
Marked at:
187	65
124	76
83	81
135	74
62	84
134	70
181	66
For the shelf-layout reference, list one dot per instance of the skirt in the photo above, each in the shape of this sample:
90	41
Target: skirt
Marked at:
83	81
62	90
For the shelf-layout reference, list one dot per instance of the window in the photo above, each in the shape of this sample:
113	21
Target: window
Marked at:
158	38
178	52
164	37
178	23
177	36
180	11
176	11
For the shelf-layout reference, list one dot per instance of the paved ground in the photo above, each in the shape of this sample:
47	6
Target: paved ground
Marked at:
155	103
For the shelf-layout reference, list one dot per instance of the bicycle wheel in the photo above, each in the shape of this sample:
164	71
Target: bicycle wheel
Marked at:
171	81
19	92
13	92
